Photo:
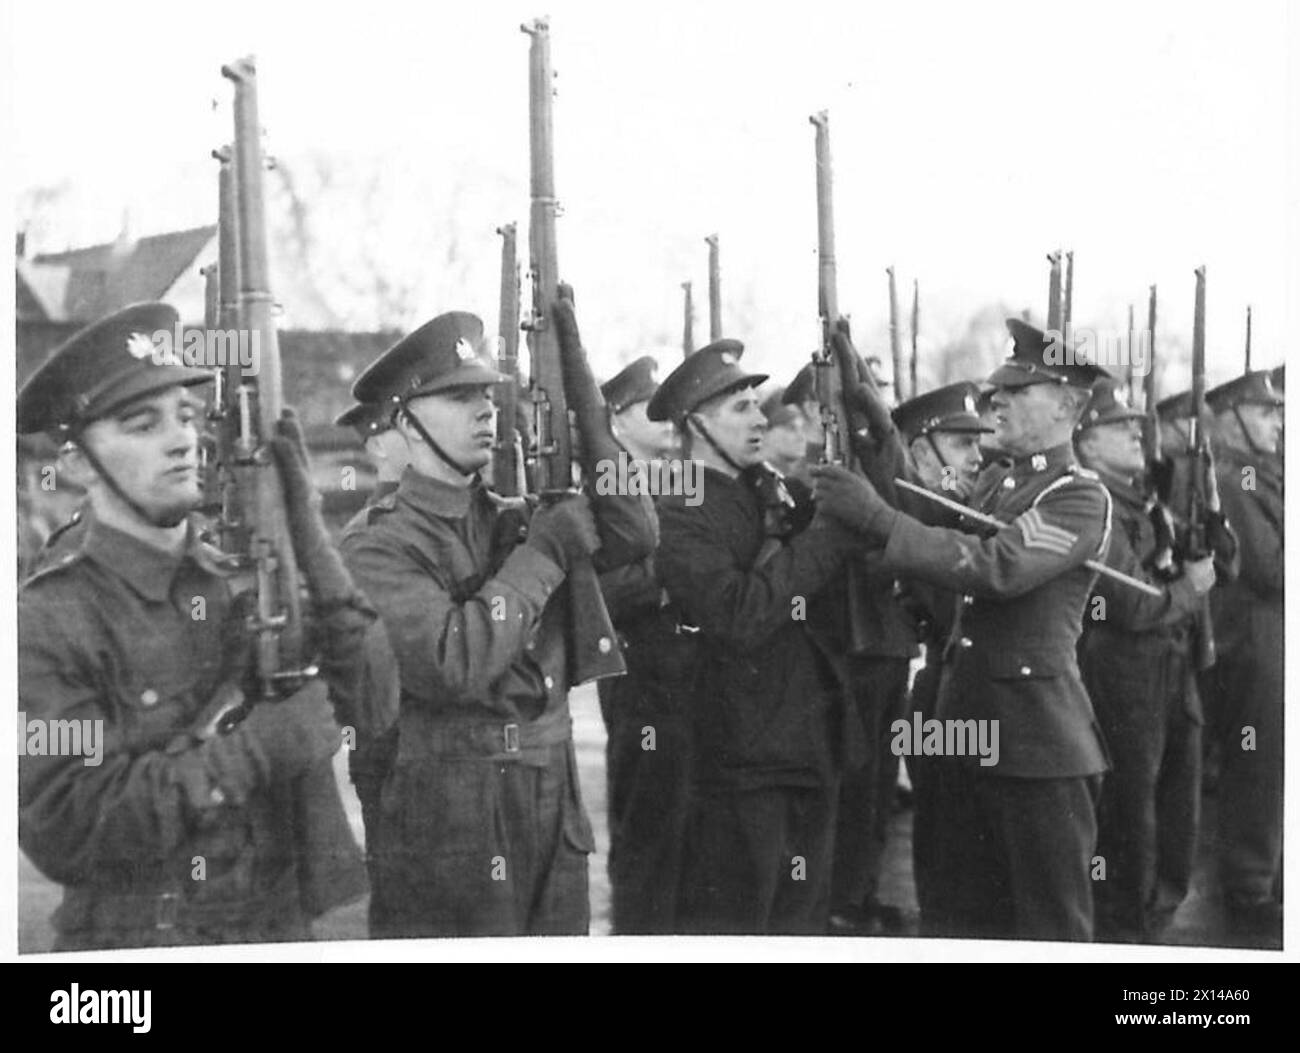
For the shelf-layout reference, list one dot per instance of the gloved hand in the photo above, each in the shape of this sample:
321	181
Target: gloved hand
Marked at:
330	582
565	532
343	616
580	388
1200	573
852	500
278	741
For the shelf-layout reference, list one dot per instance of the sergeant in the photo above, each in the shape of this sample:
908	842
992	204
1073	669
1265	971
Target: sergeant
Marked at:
647	712
172	834
747	566
483	831
1020	817
1136	654
944	436
1245	686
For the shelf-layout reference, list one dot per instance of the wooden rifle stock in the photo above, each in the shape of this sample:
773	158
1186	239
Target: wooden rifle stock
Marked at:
715	289
593	651
1054	291
506	454
895	339
256	402
837	447
688	325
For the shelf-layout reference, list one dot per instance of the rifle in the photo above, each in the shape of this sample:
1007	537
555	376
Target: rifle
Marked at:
688	334
1198	461
895	338
1129	373
506	452
253	405
715	290
828	375
1054	291
916	325
1150	424
591	640
1247	338
1067	305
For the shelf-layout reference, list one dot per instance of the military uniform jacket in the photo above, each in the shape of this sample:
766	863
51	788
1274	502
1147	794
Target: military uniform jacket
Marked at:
1011	656
770	697
114	631
1249	613
1125	631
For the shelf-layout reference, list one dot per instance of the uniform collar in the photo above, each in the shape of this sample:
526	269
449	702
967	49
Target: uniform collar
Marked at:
436	498
148	570
1123	487
1027	465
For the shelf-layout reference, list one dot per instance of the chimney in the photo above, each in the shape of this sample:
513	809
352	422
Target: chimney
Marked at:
125	243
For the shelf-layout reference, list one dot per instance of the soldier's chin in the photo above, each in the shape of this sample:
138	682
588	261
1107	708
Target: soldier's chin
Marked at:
174	513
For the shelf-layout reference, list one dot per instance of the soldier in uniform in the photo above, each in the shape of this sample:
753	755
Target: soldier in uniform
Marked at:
747	566
1137	657
943	434
1245	686
172	834
647	712
483	830
384	445
785	447
1019	818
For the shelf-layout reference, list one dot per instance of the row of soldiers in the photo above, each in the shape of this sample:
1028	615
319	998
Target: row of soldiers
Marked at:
751	756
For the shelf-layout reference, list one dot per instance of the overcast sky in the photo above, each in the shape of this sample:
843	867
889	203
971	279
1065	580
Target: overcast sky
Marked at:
968	140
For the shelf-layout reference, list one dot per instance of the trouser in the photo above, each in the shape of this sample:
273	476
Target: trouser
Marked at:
481	846
1248	686
1149	814
758	861
648	768
879	688
1016	854
926	848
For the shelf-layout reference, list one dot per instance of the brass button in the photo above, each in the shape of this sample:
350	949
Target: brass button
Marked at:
216	796
1008	483
966	641
149	697
604	645
549	682
968	599
1025	670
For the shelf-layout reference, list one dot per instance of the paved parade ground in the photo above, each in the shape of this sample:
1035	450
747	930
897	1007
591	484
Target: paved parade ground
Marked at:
1198	921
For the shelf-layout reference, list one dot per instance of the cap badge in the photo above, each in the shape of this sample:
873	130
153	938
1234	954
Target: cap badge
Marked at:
968	404
139	346
1038	461
463	350
728	359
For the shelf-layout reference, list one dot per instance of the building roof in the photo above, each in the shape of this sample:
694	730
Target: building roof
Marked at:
82	285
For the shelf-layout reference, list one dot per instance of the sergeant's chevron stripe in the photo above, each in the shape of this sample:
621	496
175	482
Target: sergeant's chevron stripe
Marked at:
1042	535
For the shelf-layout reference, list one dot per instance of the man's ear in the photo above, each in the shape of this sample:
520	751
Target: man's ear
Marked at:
74	464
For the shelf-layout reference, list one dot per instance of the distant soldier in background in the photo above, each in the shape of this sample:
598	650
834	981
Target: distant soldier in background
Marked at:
785	446
1138	663
647	712
384	445
943	435
1246	684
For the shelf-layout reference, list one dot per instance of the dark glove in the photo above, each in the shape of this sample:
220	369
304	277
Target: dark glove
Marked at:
278	741
580	388
565	532
848	497
343	615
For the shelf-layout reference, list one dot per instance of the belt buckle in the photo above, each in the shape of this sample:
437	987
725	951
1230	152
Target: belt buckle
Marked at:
510	733
169	905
